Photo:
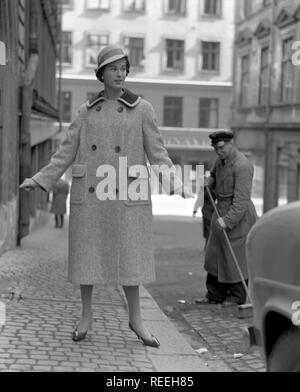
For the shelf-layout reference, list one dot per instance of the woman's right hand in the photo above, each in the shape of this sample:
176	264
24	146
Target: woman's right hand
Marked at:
28	185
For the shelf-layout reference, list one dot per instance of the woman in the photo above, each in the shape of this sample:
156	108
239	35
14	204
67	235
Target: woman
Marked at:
59	202
110	240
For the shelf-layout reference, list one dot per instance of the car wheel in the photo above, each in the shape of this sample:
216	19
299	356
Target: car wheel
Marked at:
285	355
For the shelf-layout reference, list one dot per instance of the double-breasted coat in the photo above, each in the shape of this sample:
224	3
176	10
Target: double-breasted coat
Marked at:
110	241
232	187
59	197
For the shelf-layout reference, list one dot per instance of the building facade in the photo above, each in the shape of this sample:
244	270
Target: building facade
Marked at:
29	32
181	61
266	101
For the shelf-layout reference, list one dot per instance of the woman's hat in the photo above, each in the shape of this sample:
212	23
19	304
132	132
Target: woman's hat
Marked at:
108	55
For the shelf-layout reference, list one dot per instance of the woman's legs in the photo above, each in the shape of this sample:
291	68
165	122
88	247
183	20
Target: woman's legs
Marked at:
87	313
132	294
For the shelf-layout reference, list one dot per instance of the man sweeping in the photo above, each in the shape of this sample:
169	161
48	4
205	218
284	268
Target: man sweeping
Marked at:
231	180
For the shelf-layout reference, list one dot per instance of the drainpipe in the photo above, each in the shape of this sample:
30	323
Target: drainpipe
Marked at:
268	191
26	108
59	102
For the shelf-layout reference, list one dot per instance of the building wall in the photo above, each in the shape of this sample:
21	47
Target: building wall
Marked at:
18	18
9	150
153	81
268	130
154	26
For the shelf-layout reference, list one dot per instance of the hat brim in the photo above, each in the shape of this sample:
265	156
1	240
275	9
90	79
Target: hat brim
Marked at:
109	61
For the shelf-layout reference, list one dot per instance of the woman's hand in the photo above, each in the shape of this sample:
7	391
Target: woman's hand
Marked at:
28	185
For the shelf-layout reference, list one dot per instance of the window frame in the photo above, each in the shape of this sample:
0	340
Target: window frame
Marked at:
69	48
209	109
97	48
173	111
180	11
134	10
128	49
174	69
264	69
218	6
287	62
210	53
243	98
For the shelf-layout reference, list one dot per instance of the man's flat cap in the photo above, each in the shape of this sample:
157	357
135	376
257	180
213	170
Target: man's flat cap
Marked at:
221	136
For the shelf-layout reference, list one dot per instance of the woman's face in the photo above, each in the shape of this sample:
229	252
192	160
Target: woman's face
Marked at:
114	74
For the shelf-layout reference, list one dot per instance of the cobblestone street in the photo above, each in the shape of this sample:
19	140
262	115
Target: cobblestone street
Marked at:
42	309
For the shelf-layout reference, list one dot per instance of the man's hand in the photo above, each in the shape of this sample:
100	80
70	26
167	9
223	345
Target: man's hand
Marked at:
208	181
221	224
28	185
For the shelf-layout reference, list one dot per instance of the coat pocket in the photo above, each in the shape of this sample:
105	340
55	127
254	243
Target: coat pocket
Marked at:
139	192
78	189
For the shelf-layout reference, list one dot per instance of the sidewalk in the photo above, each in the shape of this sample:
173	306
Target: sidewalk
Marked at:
45	309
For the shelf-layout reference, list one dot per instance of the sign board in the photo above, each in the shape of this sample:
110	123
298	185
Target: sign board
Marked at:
2	53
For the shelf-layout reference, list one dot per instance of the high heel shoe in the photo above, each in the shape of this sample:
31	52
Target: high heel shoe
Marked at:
77	336
152	343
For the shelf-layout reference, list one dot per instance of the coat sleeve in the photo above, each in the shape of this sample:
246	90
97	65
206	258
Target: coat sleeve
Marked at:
241	195
157	154
61	160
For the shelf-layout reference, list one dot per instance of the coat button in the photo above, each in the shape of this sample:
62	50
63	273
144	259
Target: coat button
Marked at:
99	109
94	147
121	109
117	149
91	189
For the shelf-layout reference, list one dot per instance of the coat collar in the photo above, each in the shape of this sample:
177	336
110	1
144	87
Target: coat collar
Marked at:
128	98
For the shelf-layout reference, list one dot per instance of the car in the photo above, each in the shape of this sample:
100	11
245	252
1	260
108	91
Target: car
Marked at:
273	257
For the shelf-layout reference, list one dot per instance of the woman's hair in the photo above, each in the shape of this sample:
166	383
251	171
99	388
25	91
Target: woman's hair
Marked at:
99	74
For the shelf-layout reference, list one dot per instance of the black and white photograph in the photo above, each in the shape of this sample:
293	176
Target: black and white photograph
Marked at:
149	189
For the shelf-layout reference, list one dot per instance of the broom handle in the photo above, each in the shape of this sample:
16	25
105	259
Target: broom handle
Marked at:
228	243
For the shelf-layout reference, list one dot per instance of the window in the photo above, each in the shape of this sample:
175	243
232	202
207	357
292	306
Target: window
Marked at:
134	5
173	111
247	8
176	6
211	56
175	54
95	42
135	50
209	113
66	55
66	106
212	7
98	4
287	71
264	76
245	64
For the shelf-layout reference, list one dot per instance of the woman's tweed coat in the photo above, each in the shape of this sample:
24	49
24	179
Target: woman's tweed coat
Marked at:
110	242
232	187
